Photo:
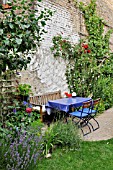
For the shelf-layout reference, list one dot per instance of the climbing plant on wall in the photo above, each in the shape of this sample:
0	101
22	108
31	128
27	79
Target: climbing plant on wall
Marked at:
90	68
21	30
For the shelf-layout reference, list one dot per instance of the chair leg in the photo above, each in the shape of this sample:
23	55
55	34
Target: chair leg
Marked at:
86	124
98	126
82	123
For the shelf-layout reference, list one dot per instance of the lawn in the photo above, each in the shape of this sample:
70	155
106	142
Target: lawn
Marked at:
91	156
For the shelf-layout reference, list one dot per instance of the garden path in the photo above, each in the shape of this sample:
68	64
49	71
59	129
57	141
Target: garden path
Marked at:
106	127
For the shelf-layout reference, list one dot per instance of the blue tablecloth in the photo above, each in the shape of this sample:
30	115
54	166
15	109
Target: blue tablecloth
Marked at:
65	104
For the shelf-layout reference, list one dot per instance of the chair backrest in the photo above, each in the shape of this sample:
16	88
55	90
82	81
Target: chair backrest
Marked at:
86	107
96	101
95	104
87	104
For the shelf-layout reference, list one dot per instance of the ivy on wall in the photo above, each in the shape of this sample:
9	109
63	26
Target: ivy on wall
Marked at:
90	67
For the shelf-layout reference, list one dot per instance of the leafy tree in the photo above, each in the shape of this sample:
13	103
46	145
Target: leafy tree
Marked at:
21	31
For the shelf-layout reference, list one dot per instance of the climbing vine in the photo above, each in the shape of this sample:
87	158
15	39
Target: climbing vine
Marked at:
90	67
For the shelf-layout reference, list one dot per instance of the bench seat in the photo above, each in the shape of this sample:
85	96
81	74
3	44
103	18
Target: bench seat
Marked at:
39	101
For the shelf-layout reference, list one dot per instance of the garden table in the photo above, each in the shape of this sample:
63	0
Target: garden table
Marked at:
65	104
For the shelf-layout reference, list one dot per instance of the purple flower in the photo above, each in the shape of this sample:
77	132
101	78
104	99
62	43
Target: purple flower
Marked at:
25	103
14	110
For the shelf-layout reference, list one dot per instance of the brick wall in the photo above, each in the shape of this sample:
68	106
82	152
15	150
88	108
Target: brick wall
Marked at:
45	73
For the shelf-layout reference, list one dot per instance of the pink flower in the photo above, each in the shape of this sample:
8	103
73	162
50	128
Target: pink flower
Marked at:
28	110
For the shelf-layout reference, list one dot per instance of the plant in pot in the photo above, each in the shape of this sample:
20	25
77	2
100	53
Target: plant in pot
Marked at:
23	91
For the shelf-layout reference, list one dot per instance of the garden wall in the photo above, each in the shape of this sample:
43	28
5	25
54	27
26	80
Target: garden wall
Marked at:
45	73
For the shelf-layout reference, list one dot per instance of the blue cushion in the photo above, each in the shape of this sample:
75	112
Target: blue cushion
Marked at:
78	114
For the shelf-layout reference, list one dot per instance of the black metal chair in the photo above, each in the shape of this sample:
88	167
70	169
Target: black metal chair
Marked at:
83	115
92	113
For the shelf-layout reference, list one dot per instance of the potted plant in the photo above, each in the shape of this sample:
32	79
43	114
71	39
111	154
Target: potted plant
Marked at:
23	90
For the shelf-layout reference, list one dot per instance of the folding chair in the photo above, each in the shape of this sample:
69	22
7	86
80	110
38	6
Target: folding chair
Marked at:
83	117
92	112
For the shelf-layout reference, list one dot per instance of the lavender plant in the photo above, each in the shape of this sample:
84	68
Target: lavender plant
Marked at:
22	152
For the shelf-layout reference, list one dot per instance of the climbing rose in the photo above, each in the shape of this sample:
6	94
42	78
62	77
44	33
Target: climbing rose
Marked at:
85	46
88	51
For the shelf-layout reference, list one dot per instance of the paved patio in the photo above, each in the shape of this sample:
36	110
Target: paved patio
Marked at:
106	127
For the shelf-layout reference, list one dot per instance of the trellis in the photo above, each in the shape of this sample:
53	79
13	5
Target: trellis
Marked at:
7	89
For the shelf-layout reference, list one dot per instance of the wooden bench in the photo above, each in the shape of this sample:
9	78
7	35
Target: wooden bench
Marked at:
41	100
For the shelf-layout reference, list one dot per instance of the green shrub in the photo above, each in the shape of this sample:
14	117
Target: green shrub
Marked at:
61	134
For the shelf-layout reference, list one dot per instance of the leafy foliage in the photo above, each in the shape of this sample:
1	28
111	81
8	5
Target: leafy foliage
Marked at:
20	152
21	31
23	89
19	116
61	134
90	66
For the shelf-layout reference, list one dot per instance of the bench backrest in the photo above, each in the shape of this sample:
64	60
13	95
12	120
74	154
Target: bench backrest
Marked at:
43	98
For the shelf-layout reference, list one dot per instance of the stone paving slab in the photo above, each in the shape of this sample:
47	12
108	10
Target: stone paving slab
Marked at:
106	127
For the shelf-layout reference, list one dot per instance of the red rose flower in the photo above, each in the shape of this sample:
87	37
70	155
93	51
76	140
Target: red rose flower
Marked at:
85	46
28	110
88	51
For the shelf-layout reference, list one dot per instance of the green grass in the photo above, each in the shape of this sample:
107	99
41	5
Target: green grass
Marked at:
91	156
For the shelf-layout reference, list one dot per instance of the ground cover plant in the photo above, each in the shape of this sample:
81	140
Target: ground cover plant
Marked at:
90	156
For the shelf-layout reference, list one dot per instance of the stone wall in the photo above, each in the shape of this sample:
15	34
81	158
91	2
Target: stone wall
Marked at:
45	73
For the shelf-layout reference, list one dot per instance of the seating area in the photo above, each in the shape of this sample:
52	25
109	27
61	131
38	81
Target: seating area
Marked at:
85	109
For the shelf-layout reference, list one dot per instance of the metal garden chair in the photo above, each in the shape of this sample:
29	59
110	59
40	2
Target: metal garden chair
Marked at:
82	116
92	113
